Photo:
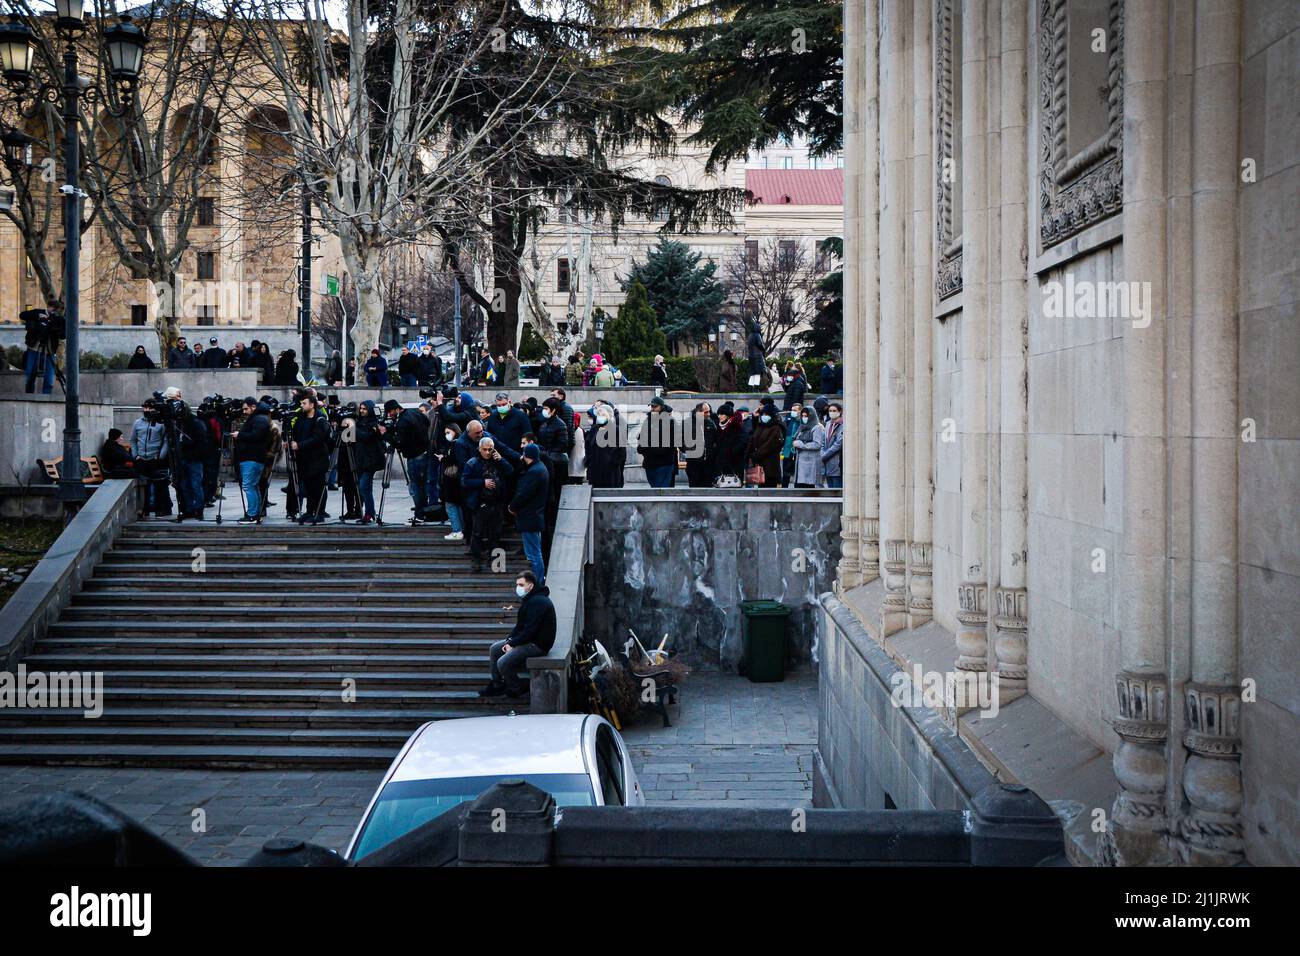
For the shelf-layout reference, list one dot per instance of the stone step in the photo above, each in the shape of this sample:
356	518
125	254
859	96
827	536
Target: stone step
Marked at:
439	551
118	714
290	570
111	598
309	644
216	755
94	732
324	630
283	678
352	664
464	583
388	696
327	609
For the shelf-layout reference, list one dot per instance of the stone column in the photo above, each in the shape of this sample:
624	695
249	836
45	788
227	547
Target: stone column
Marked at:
1010	599
1209	830
972	591
920	582
868	259
895	143
850	570
1136	833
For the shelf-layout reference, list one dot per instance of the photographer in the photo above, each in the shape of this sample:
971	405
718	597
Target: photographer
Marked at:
194	449
150	449
408	432
209	413
44	331
310	442
252	442
367	457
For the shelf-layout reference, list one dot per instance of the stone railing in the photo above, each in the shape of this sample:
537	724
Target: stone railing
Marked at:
565	573
58	576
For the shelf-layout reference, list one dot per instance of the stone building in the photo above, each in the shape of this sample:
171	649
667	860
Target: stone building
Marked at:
1072	371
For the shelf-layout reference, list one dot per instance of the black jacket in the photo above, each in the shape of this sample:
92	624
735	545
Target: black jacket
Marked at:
508	429
605	463
730	455
214	357
428	368
254	438
529	502
141	361
535	623
180	358
659	376
286	373
659	439
553	436
795	387
194	442
313	438
368	449
410	433
406	364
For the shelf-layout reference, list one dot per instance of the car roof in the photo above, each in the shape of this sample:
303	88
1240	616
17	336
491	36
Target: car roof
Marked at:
483	746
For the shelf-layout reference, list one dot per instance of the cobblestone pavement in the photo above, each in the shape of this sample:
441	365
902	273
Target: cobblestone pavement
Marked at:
732	743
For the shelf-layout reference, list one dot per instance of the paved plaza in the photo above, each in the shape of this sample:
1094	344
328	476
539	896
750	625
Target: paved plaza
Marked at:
732	743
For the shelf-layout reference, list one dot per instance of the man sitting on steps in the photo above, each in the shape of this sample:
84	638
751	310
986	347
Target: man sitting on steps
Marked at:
533	636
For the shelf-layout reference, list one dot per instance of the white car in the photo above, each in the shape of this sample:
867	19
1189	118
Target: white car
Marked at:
580	759
530	375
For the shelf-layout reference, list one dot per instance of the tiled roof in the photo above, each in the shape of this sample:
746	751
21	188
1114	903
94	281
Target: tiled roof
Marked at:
795	187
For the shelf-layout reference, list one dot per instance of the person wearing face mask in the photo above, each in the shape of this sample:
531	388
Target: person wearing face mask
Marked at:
505	423
729	458
809	439
791	421
428	367
606	455
367	457
765	445
533	636
700	467
833	446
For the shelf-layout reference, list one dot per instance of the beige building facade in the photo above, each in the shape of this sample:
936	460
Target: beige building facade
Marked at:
1071	373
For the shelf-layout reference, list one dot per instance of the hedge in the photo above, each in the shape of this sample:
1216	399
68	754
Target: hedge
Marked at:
699	373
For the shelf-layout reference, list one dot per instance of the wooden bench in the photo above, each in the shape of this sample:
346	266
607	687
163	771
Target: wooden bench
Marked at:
92	471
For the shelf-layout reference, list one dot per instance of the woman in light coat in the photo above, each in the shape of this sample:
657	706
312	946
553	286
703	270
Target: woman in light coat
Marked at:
808	441
833	447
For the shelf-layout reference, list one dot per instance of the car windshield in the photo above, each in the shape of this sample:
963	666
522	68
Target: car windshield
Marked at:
404	805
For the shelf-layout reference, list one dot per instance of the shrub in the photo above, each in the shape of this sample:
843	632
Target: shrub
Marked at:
14	356
120	360
93	361
699	373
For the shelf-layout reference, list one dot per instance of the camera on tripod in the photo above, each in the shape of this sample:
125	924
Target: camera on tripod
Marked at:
45	329
228	410
166	409
337	413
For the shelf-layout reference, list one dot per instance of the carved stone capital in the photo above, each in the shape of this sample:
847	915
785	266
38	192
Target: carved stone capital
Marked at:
920	587
972	635
972	604
1011	646
1213	715
895	574
1143	707
869	547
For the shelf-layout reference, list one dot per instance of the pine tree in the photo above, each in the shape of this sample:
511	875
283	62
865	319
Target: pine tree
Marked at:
825	334
531	345
684	294
635	333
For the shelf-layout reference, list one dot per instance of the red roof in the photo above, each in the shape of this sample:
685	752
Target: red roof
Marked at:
795	187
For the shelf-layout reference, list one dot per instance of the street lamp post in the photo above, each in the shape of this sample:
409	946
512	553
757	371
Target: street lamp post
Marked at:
124	44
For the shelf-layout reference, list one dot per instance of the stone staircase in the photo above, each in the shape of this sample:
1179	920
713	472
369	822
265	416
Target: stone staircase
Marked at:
246	663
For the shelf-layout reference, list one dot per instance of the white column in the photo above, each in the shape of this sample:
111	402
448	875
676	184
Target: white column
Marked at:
972	413
869	296
921	241
895	143
1010	599
1209	830
1138	825
850	570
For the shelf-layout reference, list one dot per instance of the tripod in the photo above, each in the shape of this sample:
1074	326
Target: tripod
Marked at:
324	495
47	355
228	457
383	488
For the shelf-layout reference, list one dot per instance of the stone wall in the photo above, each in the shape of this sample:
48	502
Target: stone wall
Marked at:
681	560
109	340
31	427
128	388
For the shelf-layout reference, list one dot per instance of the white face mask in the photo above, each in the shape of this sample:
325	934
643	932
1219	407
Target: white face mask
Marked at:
766	418
451	436
602	420
520	590
835	414
546	413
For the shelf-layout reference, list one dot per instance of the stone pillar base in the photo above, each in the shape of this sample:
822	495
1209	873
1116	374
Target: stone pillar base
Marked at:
972	632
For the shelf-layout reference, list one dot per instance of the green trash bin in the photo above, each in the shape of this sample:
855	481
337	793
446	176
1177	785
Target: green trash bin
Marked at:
764	631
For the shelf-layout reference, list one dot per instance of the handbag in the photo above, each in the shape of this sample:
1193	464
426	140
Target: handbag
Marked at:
754	475
726	481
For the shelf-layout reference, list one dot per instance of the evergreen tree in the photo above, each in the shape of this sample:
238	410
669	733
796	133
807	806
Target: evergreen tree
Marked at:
825	334
746	73
685	294
635	333
531	345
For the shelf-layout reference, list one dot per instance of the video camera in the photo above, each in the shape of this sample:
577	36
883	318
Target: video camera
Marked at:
228	410
164	409
45	329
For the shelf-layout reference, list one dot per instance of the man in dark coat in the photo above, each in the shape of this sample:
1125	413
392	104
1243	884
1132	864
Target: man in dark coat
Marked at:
658	444
252	442
408	431
179	355
532	488
213	356
376	369
310	443
507	424
533	636
830	378
485	482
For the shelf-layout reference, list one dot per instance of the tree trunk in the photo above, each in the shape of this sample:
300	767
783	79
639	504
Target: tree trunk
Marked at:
503	319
